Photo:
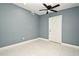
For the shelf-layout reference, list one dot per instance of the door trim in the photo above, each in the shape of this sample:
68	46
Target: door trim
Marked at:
61	28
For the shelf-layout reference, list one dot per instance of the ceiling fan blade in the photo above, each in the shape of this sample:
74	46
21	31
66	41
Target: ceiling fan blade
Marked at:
42	9
47	12
55	6
45	5
54	10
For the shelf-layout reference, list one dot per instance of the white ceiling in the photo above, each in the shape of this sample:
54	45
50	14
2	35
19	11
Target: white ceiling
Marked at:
35	7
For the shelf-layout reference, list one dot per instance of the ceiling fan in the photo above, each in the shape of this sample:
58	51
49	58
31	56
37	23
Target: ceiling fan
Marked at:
49	7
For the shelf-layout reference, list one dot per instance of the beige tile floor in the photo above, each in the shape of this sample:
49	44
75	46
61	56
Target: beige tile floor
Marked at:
40	48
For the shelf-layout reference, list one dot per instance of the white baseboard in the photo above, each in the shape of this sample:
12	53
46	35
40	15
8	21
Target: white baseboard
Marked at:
64	44
17	44
43	39
20	43
69	45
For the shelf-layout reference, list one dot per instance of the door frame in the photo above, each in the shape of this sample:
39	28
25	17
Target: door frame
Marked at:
61	27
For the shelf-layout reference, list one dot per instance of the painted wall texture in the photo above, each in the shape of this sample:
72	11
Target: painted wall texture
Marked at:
70	26
16	23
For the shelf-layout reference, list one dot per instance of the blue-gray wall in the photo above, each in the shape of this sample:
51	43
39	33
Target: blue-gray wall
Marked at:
70	28
16	23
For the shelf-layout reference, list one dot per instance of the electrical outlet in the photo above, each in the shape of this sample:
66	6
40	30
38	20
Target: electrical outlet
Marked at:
22	38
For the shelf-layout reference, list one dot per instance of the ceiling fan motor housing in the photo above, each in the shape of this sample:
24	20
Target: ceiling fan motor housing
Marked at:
49	7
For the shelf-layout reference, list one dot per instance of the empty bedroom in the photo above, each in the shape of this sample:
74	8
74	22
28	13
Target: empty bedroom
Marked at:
39	29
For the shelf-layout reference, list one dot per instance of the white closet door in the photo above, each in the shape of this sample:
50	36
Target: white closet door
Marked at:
55	28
